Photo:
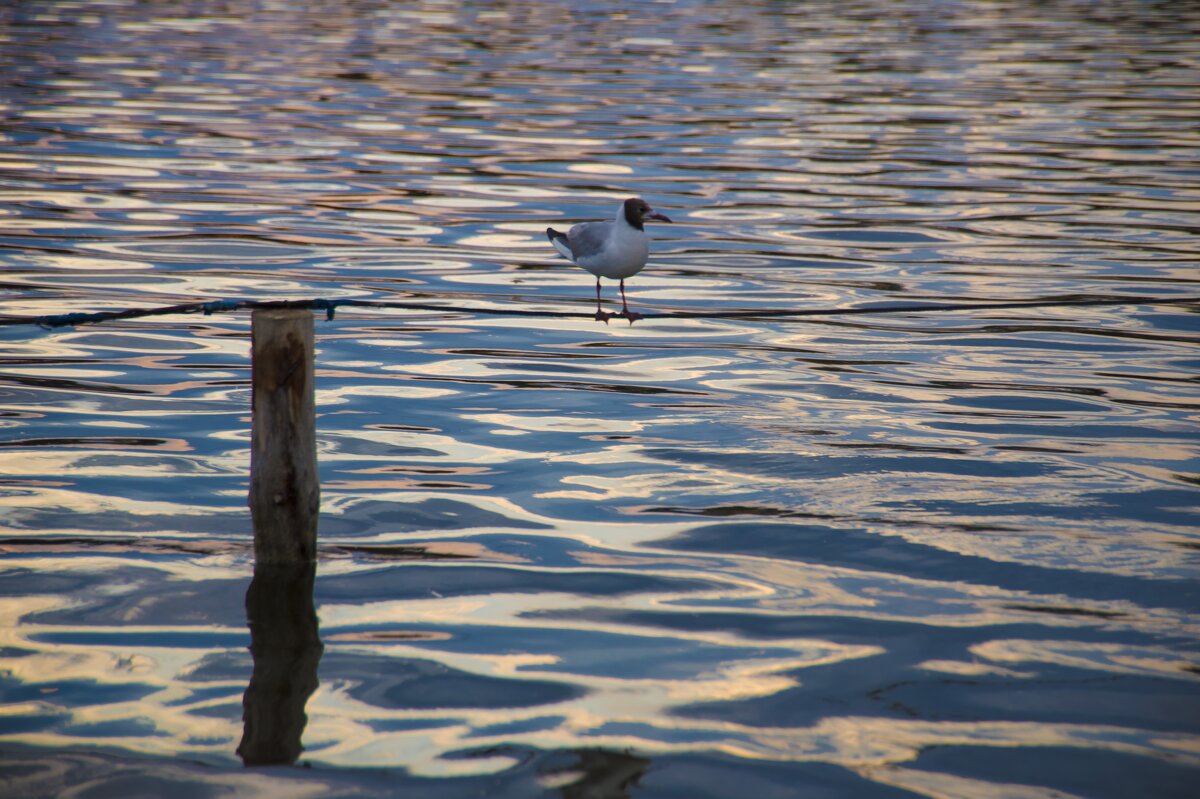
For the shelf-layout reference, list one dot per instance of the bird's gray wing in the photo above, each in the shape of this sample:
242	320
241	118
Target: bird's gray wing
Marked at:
587	238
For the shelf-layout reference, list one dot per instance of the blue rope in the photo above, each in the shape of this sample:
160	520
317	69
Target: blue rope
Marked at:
329	306
219	306
64	320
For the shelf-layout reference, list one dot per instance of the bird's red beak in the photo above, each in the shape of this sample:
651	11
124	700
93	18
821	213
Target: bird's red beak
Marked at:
658	217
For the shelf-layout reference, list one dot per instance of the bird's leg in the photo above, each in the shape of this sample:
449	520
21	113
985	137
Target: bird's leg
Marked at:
630	315
601	315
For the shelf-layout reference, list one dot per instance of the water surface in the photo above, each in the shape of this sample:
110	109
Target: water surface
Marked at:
940	554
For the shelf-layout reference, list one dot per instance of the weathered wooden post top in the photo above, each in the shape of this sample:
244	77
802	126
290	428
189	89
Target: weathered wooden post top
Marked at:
284	488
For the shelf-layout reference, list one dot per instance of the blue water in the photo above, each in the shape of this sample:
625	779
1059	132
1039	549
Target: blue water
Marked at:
942	554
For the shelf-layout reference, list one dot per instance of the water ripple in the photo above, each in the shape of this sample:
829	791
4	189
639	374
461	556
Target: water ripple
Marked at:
945	554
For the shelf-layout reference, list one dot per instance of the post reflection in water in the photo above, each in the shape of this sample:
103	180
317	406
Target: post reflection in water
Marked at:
604	774
286	645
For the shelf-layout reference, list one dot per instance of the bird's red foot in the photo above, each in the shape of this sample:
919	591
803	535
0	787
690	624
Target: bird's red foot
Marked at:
632	316
603	316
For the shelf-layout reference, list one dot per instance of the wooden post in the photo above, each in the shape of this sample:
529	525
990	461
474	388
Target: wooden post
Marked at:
284	490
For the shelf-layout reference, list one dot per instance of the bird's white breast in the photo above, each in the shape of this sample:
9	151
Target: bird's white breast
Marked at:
624	254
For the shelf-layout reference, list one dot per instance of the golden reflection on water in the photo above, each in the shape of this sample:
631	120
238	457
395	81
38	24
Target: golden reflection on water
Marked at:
337	733
694	523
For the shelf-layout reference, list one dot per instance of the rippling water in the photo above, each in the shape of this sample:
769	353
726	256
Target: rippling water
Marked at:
936	555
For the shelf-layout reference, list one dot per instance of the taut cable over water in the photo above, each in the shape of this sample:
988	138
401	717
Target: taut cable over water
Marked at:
798	314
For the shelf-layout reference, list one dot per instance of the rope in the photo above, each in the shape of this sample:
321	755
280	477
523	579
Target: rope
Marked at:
330	306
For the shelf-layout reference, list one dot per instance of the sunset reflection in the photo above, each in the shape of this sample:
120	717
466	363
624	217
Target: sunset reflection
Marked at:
946	553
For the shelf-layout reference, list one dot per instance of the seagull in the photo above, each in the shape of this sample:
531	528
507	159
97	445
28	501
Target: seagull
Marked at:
615	248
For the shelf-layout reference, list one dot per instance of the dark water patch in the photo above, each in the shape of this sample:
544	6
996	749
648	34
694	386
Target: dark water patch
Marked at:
72	387
230	665
579	773
18	582
1072	432
84	545
1067	770
1076	330
405	428
198	696
845	393
71	693
369	517
229	712
40	719
828	466
1054	694
860	549
1070	611
892	447
728	511
388	636
865	236
113	729
1045	450
865	688
1016	343
15	652
403	725
524	726
98	442
171	639
558	368
1163	506
1151	378
1023	388
551	355
86	772
1182	322
1039	404
425	684
560	385
401	552
221	520
350	444
418	580
1181	406
713	777
906	642
156	599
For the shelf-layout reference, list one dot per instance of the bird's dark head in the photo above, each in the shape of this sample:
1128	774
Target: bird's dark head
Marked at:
637	211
